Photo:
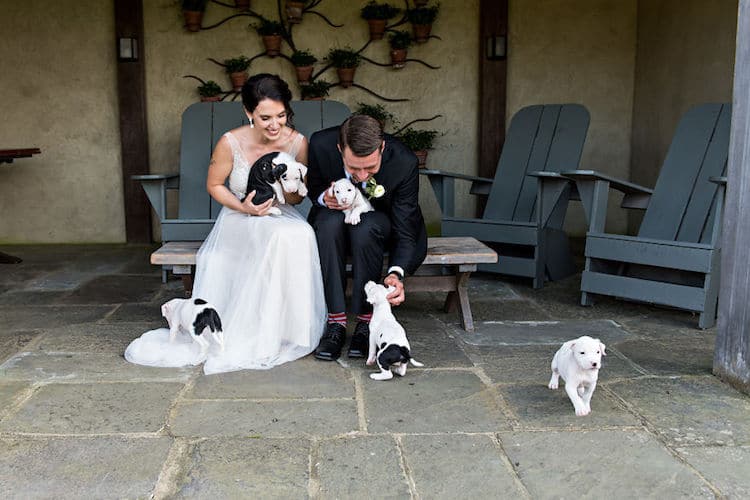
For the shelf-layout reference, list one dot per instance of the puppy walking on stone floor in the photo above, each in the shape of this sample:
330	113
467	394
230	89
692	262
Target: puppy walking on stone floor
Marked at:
193	316
578	362
388	343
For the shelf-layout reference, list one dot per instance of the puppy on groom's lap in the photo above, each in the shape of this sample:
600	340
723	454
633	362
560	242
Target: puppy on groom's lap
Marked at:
387	172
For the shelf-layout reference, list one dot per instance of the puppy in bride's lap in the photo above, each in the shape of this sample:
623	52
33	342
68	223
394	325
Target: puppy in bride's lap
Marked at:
283	318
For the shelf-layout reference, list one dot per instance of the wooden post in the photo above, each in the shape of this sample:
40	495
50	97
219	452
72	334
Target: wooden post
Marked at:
732	353
131	93
493	15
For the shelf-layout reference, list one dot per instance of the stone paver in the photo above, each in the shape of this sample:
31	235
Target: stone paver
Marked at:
111	338
538	407
725	466
507	333
115	289
94	409
459	466
12	344
102	467
361	467
590	464
691	410
688	356
247	468
432	401
19	318
275	419
305	378
85	367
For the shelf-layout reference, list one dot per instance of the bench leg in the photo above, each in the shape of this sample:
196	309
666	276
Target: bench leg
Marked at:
187	284
451	302
462	290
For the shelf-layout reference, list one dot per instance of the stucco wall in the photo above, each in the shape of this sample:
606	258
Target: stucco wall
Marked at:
685	57
59	94
578	51
451	91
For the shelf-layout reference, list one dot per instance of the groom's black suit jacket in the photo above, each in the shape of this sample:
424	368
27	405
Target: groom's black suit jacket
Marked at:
398	174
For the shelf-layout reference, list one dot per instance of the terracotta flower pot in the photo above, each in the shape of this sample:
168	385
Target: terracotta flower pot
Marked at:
346	76
238	80
272	43
398	58
213	98
193	19
303	74
242	4
294	11
421	157
421	32
377	28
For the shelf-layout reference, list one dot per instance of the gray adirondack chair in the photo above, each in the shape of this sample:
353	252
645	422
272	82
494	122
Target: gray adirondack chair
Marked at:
525	210
203	124
674	260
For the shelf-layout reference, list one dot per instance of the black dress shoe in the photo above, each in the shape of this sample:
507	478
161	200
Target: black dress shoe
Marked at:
360	341
329	348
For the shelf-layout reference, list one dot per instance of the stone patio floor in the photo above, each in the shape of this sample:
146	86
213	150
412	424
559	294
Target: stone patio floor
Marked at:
78	421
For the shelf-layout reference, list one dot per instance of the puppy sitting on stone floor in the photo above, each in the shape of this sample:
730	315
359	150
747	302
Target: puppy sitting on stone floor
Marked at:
388	343
578	362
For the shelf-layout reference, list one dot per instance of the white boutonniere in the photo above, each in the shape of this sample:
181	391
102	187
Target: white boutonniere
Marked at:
373	189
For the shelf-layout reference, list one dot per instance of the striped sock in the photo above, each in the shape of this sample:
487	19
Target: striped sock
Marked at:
364	317
339	318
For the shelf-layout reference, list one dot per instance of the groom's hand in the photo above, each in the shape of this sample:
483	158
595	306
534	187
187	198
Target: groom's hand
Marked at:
330	200
397	296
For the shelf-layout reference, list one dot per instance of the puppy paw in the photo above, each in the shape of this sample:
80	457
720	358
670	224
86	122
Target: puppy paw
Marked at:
381	376
370	361
274	211
582	412
354	220
552	385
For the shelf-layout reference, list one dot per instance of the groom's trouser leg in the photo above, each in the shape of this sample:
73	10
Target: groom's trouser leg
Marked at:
331	234
367	241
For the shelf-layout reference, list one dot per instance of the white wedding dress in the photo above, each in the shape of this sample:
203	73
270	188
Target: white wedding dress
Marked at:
262	274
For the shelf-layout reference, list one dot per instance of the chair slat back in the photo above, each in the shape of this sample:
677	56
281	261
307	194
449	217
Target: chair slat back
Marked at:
540	138
683	196
204	123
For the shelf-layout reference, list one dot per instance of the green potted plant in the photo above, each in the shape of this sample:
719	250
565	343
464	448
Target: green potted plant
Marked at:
376	111
236	68
419	141
193	10
399	42
345	61
421	20
303	62
209	91
376	15
294	10
315	90
271	32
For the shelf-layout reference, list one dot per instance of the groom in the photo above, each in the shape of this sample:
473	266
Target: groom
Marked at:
387	172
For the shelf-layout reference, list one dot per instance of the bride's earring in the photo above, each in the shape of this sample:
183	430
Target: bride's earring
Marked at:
251	123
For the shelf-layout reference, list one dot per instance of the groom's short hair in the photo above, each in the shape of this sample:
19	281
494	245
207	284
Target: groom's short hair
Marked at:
362	134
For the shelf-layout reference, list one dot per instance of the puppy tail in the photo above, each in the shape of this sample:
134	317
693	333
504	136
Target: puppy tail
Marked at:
415	362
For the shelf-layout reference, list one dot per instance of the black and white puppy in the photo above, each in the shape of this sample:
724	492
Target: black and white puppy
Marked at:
193	316
264	179
388	343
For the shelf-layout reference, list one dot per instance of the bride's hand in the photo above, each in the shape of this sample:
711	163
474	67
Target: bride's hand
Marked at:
249	208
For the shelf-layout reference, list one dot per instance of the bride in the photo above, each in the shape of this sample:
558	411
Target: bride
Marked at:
261	272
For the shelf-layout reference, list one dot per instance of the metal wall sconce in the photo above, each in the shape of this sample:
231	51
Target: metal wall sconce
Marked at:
127	50
496	47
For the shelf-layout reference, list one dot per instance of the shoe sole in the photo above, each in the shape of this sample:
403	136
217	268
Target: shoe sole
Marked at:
325	357
355	354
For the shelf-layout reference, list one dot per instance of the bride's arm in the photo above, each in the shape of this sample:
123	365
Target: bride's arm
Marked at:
294	198
218	171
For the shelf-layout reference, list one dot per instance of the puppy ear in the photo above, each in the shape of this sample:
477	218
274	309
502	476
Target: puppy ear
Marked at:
302	170
603	348
279	170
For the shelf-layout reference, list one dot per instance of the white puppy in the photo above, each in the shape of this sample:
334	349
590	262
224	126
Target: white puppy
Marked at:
388	343
293	180
347	194
193	316
578	362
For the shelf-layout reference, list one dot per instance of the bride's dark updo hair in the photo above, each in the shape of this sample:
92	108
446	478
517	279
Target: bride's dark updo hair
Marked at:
267	86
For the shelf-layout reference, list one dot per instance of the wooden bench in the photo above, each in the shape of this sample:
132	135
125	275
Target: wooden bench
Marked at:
447	267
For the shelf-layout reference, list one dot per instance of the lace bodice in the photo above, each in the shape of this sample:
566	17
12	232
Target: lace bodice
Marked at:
241	167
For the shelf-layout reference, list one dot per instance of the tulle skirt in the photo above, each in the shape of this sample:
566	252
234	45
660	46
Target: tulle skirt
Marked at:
262	274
